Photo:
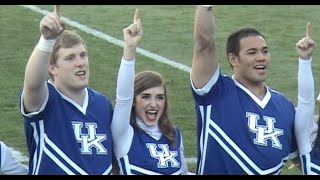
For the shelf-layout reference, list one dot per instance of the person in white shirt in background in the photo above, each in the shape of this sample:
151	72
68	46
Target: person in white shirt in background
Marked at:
9	165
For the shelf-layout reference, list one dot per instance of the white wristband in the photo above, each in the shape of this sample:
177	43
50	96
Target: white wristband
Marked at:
45	45
207	6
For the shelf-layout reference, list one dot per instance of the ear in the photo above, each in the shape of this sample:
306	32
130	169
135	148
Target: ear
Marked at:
52	69
233	60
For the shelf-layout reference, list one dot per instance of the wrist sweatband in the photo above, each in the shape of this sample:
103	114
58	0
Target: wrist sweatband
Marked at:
45	45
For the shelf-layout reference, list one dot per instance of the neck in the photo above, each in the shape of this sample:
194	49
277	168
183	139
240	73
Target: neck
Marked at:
256	88
258	91
76	95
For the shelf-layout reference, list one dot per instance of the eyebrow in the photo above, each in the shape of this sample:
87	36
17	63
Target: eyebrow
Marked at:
255	49
73	54
150	94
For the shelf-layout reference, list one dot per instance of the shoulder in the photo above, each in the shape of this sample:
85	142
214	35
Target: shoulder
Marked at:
52	89
177	130
227	81
97	94
279	97
98	97
277	94
2	145
3	148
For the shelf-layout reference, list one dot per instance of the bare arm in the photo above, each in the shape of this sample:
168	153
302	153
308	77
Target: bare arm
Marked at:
35	89
205	62
122	132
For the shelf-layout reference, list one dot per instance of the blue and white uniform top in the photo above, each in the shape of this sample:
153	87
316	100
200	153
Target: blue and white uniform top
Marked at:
239	134
141	152
66	138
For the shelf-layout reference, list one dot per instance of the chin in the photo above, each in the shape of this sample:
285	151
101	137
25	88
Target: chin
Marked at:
84	83
81	86
259	79
264	79
153	123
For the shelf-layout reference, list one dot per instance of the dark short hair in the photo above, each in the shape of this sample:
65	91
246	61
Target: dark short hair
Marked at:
233	42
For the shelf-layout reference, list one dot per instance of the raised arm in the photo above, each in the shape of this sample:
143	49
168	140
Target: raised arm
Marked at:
304	123
35	90
205	60
122	132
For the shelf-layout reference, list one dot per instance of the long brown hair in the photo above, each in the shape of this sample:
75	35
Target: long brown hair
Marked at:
146	80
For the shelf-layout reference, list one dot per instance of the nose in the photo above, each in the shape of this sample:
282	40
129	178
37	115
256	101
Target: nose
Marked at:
153	102
80	61
261	56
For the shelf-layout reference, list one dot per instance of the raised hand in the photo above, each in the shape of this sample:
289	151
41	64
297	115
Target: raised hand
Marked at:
133	33
305	46
56	10
51	26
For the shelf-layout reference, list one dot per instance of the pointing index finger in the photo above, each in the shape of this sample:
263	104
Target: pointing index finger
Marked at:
57	10
136	16
308	30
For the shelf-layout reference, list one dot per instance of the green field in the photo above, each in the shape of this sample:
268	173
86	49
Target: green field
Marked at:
168	32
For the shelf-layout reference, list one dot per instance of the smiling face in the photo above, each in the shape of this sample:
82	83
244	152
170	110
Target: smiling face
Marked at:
250	66
149	105
150	99
249	57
